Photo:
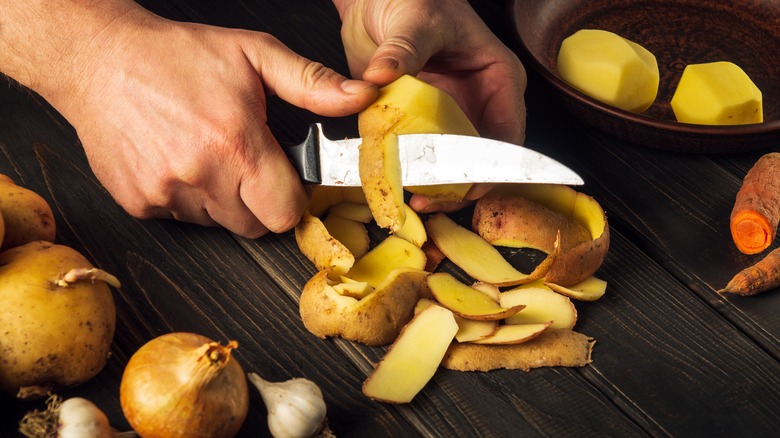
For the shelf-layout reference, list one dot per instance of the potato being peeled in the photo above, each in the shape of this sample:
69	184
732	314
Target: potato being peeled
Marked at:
58	319
405	106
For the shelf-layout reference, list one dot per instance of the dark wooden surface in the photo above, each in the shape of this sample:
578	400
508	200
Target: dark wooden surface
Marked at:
673	358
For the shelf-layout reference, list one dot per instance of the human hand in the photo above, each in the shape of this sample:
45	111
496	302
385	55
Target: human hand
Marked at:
172	117
446	44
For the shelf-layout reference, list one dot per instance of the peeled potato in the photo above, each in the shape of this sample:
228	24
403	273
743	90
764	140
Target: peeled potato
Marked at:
717	93
58	319
609	68
27	216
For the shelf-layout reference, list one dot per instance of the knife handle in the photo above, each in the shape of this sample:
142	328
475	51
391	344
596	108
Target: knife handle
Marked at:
305	157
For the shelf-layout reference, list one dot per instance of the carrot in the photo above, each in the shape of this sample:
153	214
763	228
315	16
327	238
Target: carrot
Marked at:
756	211
761	277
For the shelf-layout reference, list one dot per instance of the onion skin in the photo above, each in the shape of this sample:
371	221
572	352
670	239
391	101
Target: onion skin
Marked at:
184	384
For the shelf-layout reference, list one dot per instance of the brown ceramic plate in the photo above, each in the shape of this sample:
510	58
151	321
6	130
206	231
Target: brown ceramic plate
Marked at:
678	33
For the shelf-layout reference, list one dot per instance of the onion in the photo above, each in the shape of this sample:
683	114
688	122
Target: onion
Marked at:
184	384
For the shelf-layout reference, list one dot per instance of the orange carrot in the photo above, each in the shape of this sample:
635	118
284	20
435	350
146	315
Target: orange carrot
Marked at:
761	277
756	211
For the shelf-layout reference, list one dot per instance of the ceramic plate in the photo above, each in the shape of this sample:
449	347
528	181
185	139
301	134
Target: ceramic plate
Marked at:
678	33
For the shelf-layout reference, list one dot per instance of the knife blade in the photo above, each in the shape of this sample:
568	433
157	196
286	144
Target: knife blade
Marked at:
429	159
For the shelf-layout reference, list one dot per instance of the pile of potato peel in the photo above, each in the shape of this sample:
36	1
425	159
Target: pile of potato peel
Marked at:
340	302
390	293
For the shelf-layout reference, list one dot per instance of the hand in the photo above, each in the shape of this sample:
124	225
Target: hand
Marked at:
172	117
446	44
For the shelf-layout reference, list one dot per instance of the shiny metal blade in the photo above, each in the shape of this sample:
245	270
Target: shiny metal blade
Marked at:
428	159
431	159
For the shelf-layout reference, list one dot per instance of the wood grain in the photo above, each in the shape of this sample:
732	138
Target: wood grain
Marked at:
672	357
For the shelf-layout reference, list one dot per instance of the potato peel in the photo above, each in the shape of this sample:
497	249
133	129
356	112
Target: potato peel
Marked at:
554	347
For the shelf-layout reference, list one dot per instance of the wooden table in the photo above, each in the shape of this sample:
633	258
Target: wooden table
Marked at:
672	356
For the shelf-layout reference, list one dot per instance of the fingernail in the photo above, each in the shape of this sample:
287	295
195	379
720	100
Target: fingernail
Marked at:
353	86
384	64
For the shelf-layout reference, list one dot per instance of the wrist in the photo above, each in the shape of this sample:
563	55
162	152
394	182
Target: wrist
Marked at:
52	46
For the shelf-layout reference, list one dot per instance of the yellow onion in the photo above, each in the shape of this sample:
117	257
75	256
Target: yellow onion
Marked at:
184	384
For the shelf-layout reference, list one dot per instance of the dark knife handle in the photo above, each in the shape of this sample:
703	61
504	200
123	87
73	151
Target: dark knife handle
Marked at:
305	157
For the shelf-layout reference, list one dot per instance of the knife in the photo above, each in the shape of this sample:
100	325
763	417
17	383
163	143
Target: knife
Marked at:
429	159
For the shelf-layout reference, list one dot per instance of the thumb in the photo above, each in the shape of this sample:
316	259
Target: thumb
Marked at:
406	51
305	83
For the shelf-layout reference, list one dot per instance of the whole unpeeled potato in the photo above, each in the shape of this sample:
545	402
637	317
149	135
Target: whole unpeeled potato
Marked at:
26	215
57	316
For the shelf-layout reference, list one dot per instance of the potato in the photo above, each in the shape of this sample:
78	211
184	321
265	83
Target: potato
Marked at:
413	229
380	176
405	106
26	215
571	266
590	289
322	249
352	210
473	330
58	319
554	347
507	334
350	233
542	304
609	68
2	229
413	358
717	93
476	256
391	253
518	222
374	320
465	301
324	197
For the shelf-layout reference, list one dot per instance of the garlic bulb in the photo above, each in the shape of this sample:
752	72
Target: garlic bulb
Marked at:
80	418
75	417
296	408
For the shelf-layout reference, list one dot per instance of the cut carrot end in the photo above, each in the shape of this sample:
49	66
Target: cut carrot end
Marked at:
751	233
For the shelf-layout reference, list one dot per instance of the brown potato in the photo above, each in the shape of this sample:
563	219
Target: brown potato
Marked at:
27	216
578	259
516	221
58	319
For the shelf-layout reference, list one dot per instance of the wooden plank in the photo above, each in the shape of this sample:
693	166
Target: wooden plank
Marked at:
671	357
